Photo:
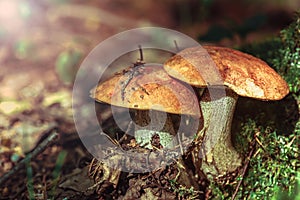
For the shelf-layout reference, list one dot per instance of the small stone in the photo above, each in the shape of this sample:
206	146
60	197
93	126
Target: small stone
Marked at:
5	192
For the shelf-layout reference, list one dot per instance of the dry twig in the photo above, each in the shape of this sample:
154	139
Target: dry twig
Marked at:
39	149
244	170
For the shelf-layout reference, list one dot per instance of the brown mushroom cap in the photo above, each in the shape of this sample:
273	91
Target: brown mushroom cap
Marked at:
151	88
245	74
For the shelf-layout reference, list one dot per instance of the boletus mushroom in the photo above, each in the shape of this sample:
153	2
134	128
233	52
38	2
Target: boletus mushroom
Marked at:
241	75
148	89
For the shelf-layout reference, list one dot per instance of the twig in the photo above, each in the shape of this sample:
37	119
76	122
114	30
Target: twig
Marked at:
244	171
180	144
260	144
130	129
133	72
141	54
114	141
40	148
176	46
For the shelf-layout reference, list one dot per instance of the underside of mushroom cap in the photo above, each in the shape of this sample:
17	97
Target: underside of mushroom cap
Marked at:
247	75
150	88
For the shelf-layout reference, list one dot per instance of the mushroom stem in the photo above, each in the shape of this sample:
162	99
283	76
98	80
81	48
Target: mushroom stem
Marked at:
148	123
219	156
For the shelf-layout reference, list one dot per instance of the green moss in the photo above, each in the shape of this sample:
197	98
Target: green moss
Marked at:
273	171
274	165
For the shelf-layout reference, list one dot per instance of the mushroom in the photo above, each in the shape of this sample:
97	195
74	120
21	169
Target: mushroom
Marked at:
225	74
148	89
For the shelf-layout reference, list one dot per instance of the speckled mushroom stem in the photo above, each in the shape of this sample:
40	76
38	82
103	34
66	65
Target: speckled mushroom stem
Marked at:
147	125
219	156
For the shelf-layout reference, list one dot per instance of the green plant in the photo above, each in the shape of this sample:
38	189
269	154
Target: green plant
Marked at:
182	191
274	165
295	194
56	175
57	171
273	171
29	183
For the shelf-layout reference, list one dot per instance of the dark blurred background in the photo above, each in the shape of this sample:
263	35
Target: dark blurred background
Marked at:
46	39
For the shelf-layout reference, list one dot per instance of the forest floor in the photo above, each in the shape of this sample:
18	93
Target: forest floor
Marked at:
36	116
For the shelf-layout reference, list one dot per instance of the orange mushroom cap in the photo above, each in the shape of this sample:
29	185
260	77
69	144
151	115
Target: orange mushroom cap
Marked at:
150	88
245	74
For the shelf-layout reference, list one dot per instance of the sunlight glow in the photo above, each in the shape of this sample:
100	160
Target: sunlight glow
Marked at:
10	15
